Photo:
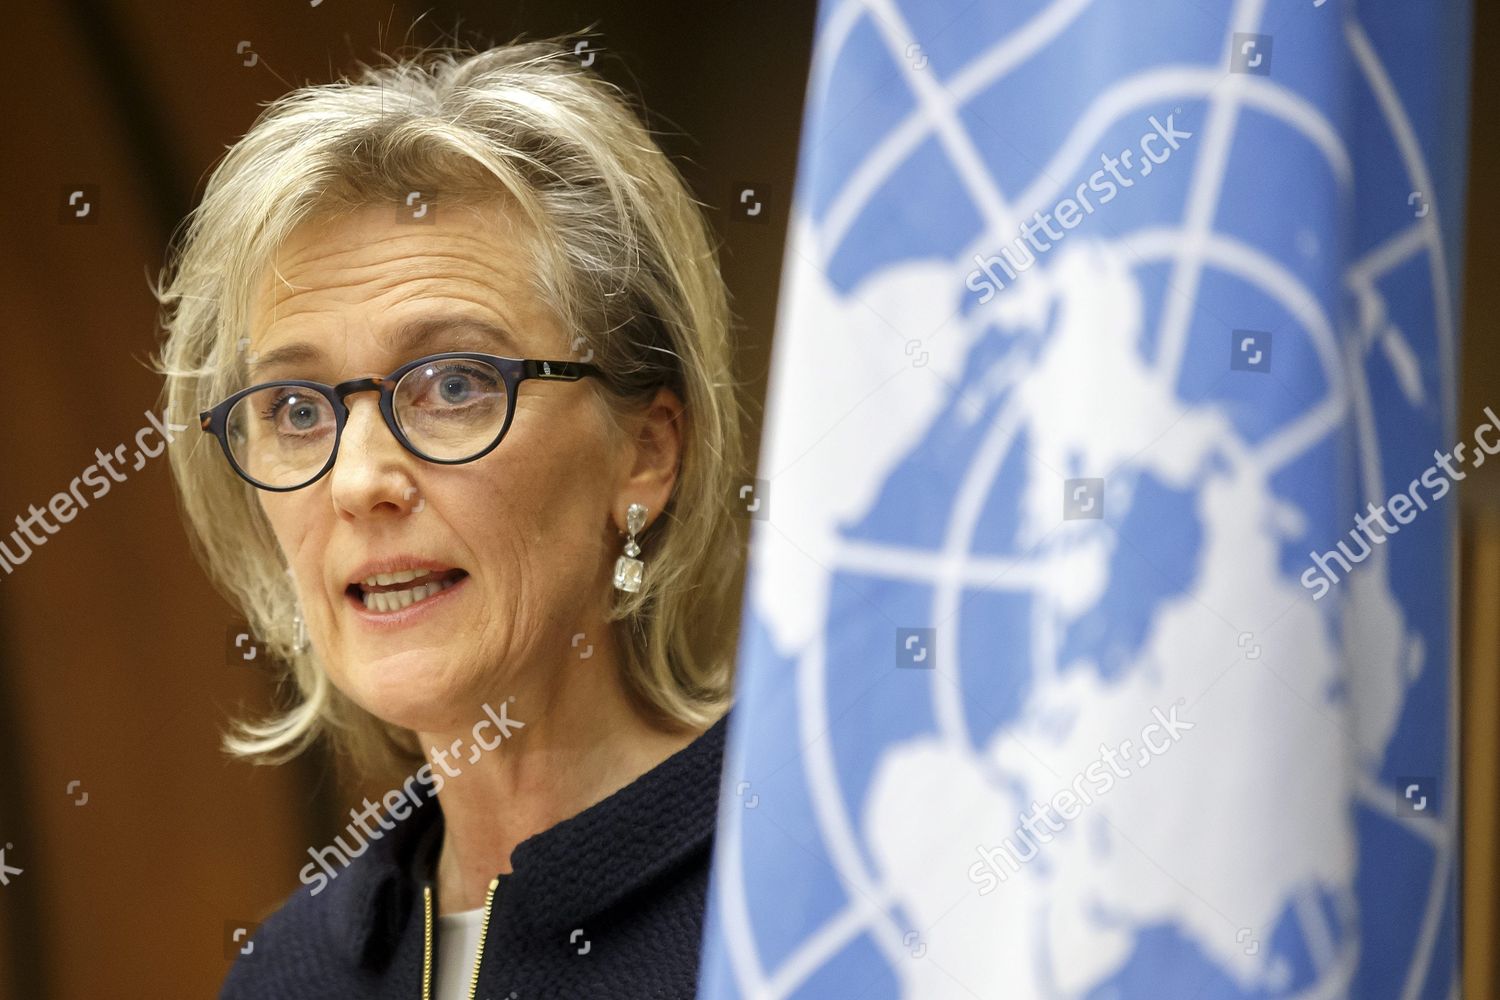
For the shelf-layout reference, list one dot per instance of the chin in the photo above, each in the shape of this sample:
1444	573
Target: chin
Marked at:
422	690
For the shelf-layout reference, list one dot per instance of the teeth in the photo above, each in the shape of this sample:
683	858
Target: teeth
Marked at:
395	600
386	579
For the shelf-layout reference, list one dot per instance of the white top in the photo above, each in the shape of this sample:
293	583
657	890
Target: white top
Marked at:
457	943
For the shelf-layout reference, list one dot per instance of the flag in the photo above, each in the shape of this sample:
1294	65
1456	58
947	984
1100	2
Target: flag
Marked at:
1099	633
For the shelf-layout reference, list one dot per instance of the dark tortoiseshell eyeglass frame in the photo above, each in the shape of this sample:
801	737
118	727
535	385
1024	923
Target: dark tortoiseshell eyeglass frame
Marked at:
513	371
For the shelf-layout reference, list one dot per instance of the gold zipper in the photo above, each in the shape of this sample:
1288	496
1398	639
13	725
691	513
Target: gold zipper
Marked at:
427	942
484	929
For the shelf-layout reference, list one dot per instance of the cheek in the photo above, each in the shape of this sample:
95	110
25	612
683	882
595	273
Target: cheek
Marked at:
298	531
540	537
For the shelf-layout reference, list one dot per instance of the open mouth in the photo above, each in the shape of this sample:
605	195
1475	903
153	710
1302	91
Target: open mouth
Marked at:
386	592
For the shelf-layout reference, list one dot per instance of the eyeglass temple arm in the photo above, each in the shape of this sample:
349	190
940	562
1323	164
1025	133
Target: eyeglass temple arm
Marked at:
558	371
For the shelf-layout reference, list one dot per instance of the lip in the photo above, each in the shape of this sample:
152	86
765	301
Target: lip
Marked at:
391	564
408	614
387	620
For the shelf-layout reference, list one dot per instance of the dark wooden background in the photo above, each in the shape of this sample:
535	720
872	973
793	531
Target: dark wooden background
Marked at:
113	666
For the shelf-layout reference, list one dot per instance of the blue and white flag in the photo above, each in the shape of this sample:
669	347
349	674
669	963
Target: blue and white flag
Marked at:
1099	635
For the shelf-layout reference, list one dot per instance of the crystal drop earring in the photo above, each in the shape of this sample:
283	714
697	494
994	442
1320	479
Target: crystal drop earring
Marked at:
299	634
629	569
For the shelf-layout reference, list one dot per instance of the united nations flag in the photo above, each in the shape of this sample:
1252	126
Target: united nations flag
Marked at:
1098	639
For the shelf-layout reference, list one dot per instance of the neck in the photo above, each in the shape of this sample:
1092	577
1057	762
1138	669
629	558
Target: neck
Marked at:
582	741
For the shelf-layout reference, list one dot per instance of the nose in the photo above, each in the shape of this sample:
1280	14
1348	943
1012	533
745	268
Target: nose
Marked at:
372	473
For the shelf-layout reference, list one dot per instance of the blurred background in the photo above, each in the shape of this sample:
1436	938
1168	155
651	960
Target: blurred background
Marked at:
141	846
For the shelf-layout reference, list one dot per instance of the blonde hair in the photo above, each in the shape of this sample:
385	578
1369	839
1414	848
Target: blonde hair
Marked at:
624	257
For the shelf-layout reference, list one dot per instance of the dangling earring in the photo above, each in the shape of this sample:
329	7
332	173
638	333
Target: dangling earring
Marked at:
299	627
299	634
628	568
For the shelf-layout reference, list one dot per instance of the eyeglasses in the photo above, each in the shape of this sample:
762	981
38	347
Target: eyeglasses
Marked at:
443	408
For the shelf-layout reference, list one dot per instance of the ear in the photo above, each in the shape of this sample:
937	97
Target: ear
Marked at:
654	440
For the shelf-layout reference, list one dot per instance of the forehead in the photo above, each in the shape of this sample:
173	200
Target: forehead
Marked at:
367	282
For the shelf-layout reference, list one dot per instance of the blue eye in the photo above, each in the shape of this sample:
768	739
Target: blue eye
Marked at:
456	388
451	385
295	411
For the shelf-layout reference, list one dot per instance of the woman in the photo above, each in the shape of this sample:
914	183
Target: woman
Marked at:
459	344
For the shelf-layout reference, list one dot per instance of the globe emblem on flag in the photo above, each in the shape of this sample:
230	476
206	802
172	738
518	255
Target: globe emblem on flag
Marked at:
1046	705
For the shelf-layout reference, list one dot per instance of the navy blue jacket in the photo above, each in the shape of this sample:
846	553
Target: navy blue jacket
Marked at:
608	903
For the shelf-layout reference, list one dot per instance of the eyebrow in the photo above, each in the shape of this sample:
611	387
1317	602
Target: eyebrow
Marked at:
412	339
